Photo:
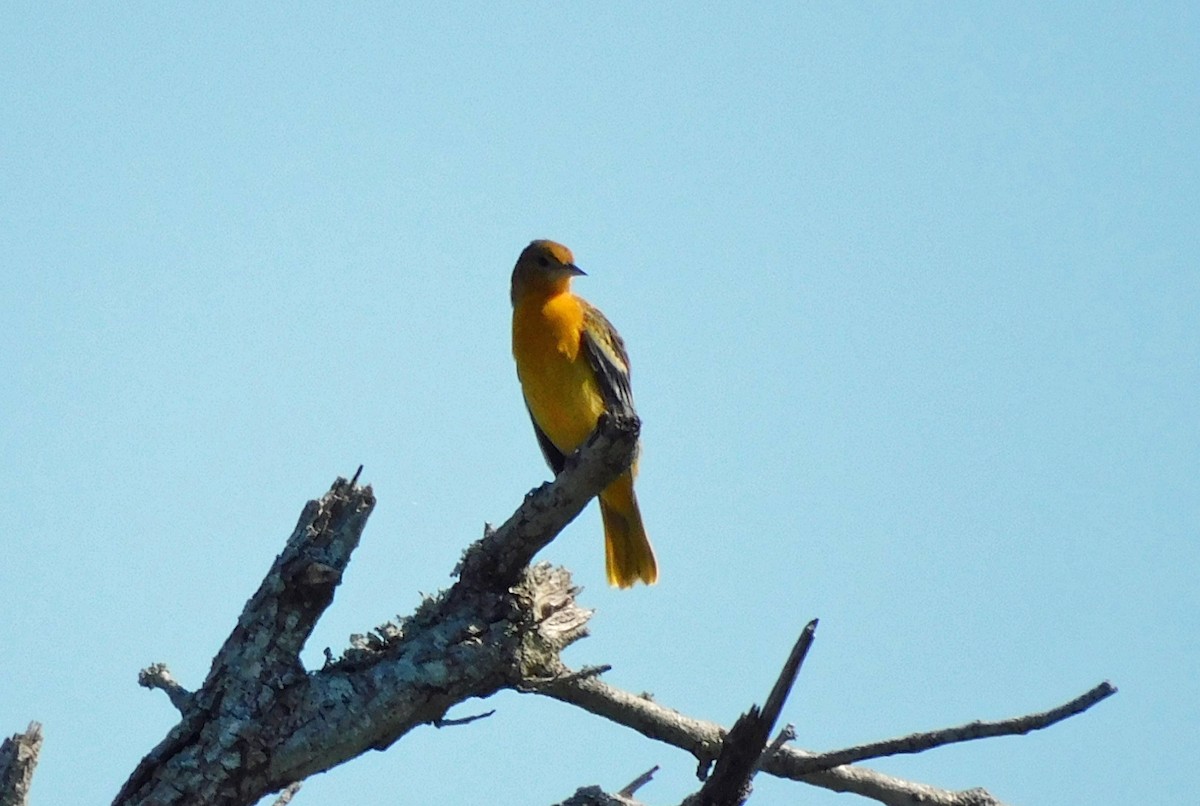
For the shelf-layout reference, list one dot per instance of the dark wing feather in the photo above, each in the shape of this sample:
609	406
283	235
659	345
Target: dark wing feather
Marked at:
554	457
606	353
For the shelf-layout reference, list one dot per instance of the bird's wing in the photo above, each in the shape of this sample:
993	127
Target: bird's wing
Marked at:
606	354
554	457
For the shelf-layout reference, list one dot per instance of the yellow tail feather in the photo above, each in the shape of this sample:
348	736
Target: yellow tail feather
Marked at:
627	553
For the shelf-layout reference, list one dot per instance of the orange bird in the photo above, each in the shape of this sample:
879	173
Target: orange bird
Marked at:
573	367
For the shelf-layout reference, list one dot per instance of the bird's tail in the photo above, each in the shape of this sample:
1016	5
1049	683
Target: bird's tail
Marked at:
627	553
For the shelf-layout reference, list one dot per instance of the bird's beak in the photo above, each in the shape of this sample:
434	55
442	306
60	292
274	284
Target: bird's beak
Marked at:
574	270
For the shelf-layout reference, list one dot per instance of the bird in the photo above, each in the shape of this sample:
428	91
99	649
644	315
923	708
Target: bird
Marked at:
573	367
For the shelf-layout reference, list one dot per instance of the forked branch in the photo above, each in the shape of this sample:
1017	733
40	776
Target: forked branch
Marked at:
742	749
261	722
704	741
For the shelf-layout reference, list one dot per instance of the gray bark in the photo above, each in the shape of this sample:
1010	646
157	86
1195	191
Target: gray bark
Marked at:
261	722
18	758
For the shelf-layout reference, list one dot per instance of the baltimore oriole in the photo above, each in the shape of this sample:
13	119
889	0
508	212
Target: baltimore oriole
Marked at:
573	367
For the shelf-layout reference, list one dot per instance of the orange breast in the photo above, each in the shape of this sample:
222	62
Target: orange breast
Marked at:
559	385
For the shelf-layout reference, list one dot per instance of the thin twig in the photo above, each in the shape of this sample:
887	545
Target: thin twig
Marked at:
786	734
157	675
534	684
920	742
703	740
637	783
464	720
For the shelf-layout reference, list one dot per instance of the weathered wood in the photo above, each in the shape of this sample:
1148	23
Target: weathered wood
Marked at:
261	722
18	759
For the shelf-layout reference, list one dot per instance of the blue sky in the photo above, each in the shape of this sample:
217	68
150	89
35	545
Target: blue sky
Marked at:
912	300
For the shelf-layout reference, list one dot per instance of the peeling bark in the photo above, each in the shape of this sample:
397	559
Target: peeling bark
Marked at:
261	723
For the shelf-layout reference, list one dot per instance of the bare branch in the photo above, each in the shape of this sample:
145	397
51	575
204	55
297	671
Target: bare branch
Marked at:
18	758
259	660
496	560
920	742
787	678
742	747
786	734
464	720
637	783
157	675
261	721
703	740
279	618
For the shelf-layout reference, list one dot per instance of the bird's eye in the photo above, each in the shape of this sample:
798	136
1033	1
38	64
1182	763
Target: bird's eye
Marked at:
543	261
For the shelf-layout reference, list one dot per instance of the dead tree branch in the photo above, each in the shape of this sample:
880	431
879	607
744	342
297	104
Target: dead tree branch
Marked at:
498	559
261	722
742	747
158	676
637	783
704	739
920	742
18	758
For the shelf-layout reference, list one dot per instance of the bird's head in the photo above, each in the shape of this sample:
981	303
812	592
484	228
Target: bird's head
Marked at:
546	266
